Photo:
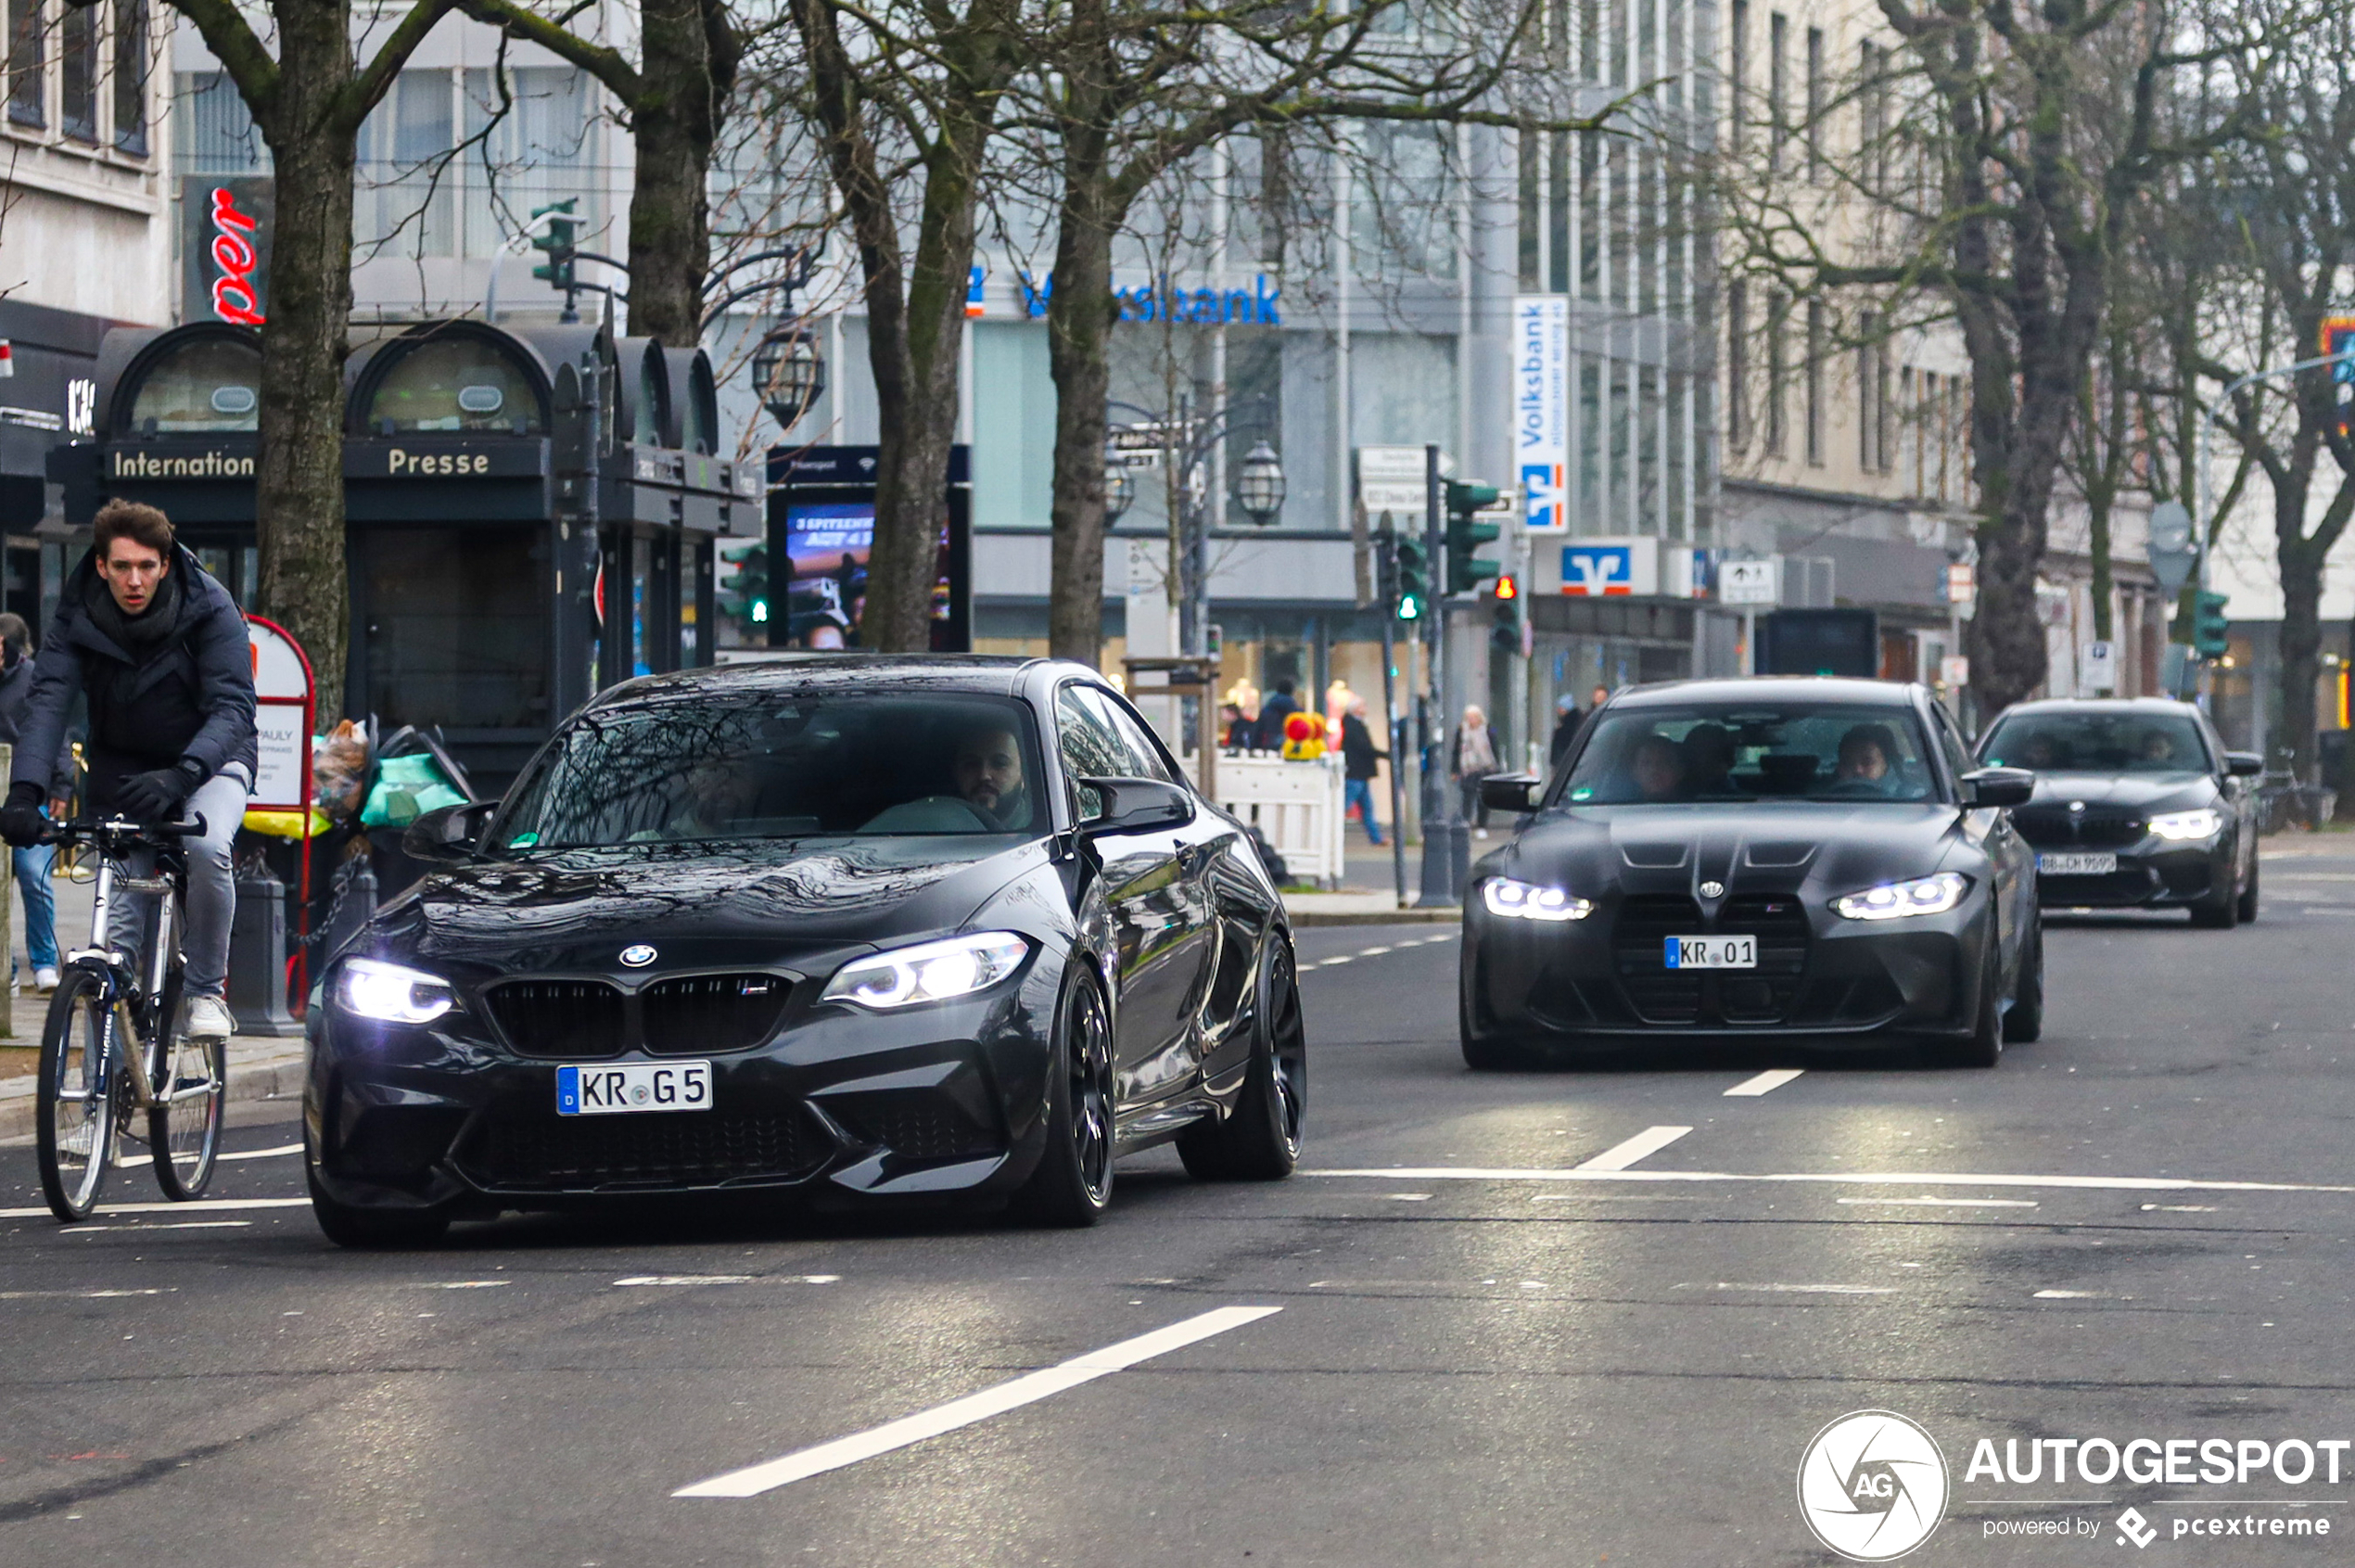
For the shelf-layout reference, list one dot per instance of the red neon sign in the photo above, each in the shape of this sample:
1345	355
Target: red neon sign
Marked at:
233	253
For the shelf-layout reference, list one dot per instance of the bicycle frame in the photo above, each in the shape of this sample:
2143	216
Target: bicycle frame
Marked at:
122	988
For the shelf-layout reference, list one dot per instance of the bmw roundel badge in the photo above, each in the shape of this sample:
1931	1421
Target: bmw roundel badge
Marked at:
1712	889
637	955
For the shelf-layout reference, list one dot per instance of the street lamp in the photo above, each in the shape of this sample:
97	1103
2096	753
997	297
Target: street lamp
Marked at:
789	373
1120	491
1260	486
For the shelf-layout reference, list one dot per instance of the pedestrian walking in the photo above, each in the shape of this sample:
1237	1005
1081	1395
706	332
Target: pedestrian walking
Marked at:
1565	729
34	865
1280	706
1475	759
1359	762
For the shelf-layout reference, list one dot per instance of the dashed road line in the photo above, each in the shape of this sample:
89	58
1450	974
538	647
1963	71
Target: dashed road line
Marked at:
137	1160
1766	1083
1851	1178
199	1206
909	1429
1941	1203
1650	1141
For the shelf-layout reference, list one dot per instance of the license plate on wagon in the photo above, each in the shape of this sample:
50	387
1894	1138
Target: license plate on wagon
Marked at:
2086	864
1712	952
608	1090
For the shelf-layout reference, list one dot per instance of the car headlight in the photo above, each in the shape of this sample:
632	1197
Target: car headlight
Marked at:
1524	900
1895	900
2181	825
392	994
928	972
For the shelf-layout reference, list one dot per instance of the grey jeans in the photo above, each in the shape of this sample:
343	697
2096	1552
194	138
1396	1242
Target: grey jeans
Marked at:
212	890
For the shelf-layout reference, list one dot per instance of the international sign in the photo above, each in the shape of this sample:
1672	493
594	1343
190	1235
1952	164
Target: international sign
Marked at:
1749	582
1541	409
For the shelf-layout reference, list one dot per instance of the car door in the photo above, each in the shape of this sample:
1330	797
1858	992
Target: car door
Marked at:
2009	860
1148	895
2236	797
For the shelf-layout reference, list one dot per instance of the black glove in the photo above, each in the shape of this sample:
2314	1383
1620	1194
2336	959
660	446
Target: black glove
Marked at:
20	819
153	798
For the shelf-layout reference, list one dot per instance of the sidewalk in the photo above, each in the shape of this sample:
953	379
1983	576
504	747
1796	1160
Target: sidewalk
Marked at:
260	1068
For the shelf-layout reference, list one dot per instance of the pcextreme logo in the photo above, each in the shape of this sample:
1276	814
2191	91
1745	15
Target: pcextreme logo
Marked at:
1872	1485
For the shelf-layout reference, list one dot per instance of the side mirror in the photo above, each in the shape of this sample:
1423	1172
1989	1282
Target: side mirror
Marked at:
1998	786
1511	792
1136	806
446	834
2243	764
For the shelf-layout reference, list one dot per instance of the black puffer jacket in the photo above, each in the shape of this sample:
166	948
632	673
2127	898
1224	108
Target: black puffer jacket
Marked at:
188	695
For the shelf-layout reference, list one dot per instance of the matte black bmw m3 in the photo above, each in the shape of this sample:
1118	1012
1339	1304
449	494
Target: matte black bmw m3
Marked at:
849	929
1814	858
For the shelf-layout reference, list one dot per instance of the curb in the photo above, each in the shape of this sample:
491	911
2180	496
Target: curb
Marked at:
258	1070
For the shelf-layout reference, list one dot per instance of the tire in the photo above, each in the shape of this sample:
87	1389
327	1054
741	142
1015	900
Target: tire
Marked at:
75	1133
2219	913
2247	908
2024	1020
1260	1139
1985	1046
1072	1186
185	1135
368	1229
1485	1054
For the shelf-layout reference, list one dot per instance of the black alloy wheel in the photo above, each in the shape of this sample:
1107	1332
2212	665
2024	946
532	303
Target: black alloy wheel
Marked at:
2024	1020
1072	1186
2247	909
1985	1046
1260	1139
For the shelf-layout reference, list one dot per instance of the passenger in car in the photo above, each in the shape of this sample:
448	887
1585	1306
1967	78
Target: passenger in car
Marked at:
989	777
1708	750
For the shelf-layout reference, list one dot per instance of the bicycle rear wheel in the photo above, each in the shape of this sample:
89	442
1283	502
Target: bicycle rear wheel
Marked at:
74	1136
192	1086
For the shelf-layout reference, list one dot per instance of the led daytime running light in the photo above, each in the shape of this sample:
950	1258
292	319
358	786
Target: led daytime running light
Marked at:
929	971
390	994
1896	900
1524	901
2182	825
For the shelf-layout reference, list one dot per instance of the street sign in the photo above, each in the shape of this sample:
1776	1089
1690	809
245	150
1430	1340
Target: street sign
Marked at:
2173	550
1391	479
1541	394
282	719
1954	672
2098	669
1751	582
1148	457
1962	583
1148	436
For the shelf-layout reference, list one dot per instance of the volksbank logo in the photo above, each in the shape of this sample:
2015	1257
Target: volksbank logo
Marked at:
1872	1485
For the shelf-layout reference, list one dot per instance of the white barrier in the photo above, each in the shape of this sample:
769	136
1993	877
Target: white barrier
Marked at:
1299	806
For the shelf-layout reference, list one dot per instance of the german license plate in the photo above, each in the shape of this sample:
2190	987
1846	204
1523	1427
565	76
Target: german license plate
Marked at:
2086	864
1712	952
612	1091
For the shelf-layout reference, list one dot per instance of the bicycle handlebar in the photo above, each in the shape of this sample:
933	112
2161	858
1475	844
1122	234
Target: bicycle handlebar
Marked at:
123	827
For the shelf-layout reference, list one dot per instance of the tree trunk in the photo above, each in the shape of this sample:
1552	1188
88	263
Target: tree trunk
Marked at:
1079	315
2301	558
687	71
299	479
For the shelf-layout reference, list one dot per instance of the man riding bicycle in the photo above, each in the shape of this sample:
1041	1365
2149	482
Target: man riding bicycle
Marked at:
159	650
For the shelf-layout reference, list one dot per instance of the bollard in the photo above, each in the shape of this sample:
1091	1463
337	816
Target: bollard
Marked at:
258	958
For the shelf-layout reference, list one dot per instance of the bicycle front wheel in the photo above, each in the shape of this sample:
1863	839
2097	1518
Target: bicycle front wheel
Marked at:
192	1088
74	1136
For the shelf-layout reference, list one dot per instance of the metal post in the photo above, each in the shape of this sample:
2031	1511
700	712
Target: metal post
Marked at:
7	932
1441	827
1390	726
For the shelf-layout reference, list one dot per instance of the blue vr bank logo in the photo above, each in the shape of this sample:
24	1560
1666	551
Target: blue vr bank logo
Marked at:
1599	569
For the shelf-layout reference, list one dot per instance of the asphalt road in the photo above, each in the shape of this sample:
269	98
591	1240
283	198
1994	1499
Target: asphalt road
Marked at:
1478	1352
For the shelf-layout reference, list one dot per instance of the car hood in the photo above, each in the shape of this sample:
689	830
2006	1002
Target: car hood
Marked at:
1752	847
696	904
2133	791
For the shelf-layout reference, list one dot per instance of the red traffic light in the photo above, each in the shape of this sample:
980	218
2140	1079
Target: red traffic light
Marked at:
1507	588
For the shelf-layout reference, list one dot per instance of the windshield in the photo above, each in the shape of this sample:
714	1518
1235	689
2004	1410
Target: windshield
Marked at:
1752	751
2121	742
774	766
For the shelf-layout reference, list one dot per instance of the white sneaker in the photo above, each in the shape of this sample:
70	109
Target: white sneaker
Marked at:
208	1019
45	980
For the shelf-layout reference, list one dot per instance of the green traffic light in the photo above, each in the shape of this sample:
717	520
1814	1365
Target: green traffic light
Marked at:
1409	607
2212	633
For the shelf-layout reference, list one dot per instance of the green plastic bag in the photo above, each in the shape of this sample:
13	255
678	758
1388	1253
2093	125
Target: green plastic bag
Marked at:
406	789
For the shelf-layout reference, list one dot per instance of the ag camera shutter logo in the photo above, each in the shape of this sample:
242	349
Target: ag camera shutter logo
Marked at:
1872	1485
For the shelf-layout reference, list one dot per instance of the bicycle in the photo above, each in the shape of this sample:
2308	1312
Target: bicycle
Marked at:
112	1047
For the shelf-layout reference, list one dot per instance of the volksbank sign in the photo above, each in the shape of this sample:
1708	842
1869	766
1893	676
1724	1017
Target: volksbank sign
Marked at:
1541	409
1159	299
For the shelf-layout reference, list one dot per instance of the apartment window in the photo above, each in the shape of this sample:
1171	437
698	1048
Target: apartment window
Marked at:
77	43
1738	67
1778	375
28	55
1814	103
1884	422
1777	89
1814	373
1905	397
131	77
1738	364
1867	416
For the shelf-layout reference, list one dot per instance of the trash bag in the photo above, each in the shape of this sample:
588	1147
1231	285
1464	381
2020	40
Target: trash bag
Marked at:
406	789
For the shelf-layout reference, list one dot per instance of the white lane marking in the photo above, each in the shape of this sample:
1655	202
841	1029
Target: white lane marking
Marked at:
1764	1083
1813	1289
909	1430
1650	1141
1407	1197
1941	1203
1371	952
82	1295
200	1207
2313	875
462	1284
1342	958
1850	1179
686	1280
137	1160
2179	1208
2069	1296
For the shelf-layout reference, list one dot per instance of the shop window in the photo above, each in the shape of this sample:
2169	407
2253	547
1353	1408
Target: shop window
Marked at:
78	41
206	387
456	384
131	77
28	57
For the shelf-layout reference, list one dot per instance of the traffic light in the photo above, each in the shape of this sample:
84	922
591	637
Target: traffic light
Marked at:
1466	533
557	239
2209	628
1412	589
1505	635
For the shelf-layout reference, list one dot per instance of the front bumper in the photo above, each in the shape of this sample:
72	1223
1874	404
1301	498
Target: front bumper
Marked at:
837	1105
1819	977
2154	873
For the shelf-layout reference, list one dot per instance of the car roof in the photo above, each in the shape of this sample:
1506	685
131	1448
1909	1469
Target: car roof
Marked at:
1892	694
2102	704
982	674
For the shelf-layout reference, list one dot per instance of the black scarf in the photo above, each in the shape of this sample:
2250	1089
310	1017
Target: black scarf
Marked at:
137	635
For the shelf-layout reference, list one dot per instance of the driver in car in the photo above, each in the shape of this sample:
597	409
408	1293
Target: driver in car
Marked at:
1658	769
1864	761
2158	748
989	777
